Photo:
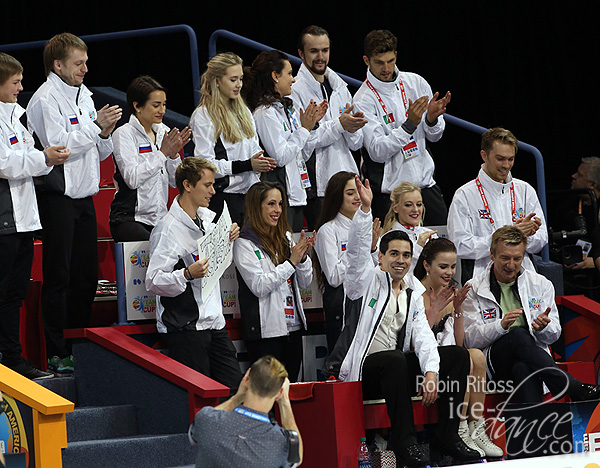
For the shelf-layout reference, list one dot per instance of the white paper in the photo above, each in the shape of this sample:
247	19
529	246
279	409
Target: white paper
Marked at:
218	249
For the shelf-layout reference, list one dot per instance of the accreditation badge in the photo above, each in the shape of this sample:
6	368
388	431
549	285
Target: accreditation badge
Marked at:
411	150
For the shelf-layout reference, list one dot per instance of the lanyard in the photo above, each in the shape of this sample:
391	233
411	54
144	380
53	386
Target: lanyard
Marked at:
291	119
251	414
486	206
402	92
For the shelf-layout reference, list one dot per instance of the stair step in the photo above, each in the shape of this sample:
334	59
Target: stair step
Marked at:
66	387
102	422
157	451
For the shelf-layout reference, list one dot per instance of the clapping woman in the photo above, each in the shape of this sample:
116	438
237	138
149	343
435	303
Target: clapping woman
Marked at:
284	131
224	132
146	155
443	304
272	270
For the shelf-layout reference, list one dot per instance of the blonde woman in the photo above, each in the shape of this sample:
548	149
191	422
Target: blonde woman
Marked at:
406	214
224	132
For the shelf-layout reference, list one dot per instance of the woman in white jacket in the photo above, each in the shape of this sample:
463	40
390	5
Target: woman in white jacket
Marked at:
284	132
340	202
146	155
224	133
435	268
271	271
406	214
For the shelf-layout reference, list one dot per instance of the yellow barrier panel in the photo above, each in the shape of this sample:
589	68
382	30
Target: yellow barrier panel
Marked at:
48	414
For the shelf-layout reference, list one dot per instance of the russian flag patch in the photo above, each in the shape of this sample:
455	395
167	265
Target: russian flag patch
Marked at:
73	120
145	149
13	139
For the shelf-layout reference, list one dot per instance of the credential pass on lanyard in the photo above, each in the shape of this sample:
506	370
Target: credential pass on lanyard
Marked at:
486	206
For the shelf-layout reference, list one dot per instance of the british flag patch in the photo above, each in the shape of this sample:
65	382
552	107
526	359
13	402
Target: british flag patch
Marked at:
484	214
489	314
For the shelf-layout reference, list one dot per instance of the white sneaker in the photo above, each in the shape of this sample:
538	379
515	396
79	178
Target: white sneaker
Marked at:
463	433
480	437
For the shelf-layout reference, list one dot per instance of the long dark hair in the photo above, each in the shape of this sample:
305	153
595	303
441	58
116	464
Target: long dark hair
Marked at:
429	252
274	240
332	202
259	87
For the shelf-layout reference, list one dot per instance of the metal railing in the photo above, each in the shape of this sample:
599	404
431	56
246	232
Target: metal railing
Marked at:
135	33
539	160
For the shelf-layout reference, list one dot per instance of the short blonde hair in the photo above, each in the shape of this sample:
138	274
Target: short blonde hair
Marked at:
192	169
510	235
59	48
266	376
9	66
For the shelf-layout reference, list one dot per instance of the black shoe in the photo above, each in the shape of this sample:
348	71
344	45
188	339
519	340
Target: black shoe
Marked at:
586	392
26	369
412	456
455	448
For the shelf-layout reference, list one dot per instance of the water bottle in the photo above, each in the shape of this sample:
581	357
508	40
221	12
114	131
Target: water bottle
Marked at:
364	459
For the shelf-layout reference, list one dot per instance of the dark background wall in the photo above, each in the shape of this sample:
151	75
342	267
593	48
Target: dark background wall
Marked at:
527	66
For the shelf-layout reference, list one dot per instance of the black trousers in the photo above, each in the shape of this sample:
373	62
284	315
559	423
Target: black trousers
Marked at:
236	203
312	211
295	216
15	270
209	352
436	211
69	265
130	231
393	375
515	358
287	349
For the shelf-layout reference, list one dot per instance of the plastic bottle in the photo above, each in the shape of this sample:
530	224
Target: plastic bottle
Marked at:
364	458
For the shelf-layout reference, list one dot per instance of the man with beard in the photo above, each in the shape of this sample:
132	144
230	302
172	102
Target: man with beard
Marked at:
339	131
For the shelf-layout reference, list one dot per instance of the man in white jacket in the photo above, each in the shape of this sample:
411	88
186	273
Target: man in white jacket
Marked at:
492	200
19	162
194	328
339	131
62	113
392	323
511	315
403	115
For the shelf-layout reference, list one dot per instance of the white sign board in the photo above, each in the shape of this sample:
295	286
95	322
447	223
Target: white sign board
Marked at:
216	246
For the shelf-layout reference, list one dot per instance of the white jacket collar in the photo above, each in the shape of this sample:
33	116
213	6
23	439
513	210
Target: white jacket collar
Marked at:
343	220
334	80
179	214
135	123
384	87
490	185
11	111
71	92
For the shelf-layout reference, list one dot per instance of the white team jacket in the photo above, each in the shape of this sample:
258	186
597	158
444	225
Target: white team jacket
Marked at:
384	142
373	285
287	143
174	242
483	314
60	114
268	282
413	235
469	226
331	246
333	143
19	162
203	131
145	169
